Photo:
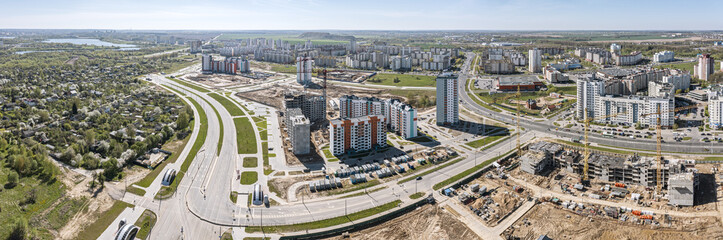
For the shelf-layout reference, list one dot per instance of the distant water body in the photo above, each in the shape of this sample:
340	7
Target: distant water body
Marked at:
90	41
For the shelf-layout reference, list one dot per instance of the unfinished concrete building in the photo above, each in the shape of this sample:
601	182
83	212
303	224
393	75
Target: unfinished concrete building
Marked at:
603	166
312	106
681	189
539	156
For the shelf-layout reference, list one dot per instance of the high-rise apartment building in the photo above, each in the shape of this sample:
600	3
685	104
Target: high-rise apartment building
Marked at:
303	70
196	46
447	99
402	118
705	67
535	61
349	135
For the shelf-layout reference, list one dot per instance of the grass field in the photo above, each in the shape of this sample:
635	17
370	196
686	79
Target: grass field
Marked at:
192	86
248	178
232	109
15	203
251	162
104	220
145	222
326	222
404	80
245	137
682	66
283	68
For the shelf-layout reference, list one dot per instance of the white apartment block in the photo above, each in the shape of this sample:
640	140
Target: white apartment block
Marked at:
715	107
447	99
360	134
402	118
588	89
634	109
664	56
535	60
679	79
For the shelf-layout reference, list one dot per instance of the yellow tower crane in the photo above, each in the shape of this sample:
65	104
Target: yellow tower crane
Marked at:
659	139
586	157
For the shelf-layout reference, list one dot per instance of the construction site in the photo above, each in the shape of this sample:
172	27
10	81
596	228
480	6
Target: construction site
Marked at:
233	81
567	220
427	222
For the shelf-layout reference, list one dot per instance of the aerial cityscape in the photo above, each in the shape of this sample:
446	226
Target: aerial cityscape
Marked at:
352	120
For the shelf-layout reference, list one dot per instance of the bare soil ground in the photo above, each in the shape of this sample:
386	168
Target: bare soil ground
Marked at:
563	224
504	198
427	222
98	201
225	80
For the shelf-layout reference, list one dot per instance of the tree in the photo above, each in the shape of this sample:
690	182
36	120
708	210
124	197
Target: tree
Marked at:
111	169
182	121
396	80
675	125
74	108
12	180
20	229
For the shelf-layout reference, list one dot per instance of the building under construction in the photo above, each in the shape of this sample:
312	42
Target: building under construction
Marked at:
312	106
609	167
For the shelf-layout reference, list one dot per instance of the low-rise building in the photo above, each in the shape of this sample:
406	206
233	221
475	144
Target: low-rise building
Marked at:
524	82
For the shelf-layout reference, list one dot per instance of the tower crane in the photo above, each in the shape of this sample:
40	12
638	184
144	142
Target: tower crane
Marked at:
659	139
586	157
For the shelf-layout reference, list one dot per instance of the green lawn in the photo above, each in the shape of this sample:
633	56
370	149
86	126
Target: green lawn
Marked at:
230	106
104	220
326	222
468	172
145	222
245	137
416	195
251	162
437	168
404	80
484	141
248	178
200	139
135	190
233	196
220	126
189	85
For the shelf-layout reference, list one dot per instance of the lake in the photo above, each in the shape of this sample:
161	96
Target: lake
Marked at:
90	41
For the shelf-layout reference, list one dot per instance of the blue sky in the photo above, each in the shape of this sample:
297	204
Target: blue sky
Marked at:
364	14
